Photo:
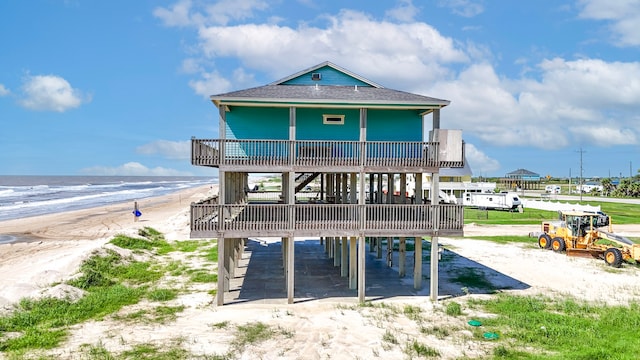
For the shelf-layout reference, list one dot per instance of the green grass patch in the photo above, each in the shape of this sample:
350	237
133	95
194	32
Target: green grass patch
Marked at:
100	271
203	276
150	239
620	214
34	337
188	245
564	328
413	312
212	253
150	351
388	337
251	334
176	268
42	322
437	331
416	348
453	309
508	239
501	217
162	294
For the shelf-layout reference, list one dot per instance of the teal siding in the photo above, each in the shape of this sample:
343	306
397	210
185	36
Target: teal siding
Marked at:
330	76
394	125
310	126
258	123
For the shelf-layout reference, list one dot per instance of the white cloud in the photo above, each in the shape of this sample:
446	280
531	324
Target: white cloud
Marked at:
351	39
605	135
479	162
132	169
404	12
623	16
224	11
465	8
178	150
50	93
583	101
185	13
210	84
4	91
178	14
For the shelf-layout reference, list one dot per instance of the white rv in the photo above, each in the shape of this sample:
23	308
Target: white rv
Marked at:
504	200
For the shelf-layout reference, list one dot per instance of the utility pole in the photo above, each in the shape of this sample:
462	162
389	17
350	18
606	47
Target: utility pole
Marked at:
580	181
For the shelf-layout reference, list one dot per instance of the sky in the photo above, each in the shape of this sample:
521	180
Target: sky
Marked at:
120	87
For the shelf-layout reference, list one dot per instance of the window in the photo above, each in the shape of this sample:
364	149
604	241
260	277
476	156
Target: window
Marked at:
333	119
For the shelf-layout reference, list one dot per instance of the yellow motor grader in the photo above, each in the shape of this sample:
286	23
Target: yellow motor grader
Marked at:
578	233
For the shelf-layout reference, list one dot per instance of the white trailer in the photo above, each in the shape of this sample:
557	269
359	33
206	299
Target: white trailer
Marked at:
503	200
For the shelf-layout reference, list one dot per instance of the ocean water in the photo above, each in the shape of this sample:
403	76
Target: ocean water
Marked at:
26	196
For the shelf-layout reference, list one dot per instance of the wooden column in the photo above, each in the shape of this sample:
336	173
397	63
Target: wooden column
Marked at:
227	267
417	255
221	272
417	263
434	239
283	250
389	251
344	261
402	249
353	261
290	269
338	188
222	185
390	188
361	270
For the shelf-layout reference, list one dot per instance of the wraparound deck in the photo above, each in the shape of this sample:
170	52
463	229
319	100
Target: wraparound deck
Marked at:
300	156
282	220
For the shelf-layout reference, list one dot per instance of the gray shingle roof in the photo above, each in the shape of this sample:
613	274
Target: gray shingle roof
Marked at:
522	172
327	94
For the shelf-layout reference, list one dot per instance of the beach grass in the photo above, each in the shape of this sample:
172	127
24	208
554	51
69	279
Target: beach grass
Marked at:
561	328
110	282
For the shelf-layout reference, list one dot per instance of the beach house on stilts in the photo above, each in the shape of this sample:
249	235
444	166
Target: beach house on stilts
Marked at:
351	136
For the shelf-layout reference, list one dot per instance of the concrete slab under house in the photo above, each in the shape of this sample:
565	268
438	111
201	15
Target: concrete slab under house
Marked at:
345	140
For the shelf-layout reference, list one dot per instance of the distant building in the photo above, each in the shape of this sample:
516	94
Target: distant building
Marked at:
521	179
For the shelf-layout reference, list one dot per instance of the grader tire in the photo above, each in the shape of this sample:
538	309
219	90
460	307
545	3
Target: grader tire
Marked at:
544	241
558	244
613	257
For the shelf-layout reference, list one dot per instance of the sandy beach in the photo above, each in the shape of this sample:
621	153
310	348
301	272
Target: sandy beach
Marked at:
53	246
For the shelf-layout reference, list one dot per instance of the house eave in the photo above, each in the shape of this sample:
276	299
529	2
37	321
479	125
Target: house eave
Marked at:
427	107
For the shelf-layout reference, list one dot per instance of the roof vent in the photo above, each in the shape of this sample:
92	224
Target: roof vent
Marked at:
316	76
356	89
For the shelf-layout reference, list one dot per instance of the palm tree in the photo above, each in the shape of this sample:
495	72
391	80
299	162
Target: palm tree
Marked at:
607	187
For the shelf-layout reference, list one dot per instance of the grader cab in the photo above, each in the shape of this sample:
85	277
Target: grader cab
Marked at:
580	234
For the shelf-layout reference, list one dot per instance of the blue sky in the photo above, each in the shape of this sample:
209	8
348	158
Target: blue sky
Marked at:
120	87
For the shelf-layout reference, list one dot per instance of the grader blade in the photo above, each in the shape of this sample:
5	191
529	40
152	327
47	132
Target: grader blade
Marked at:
585	253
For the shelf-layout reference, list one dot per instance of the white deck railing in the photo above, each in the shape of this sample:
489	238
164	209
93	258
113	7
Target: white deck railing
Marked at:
304	219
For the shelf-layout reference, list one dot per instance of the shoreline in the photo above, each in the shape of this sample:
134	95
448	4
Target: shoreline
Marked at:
95	222
50	248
